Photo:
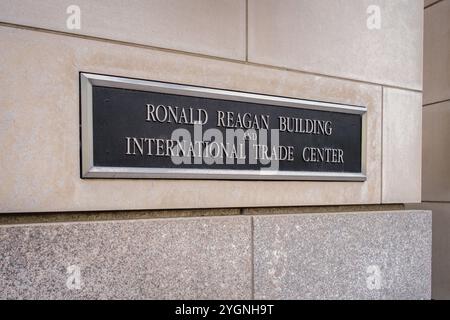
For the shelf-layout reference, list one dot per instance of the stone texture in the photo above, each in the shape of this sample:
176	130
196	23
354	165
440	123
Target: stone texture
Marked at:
209	27
436	152
441	248
39	121
436	76
186	258
430	2
46	217
402	148
317	209
331	37
327	256
305	256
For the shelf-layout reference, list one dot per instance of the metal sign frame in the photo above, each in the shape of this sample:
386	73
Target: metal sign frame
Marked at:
88	170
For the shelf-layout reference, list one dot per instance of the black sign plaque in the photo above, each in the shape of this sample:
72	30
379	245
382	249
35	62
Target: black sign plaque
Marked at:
146	129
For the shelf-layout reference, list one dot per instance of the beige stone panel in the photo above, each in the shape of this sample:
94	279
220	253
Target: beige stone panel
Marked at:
39	130
436	152
436	74
441	248
331	37
202	26
402	148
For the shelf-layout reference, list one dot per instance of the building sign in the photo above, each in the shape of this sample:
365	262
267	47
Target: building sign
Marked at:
146	129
